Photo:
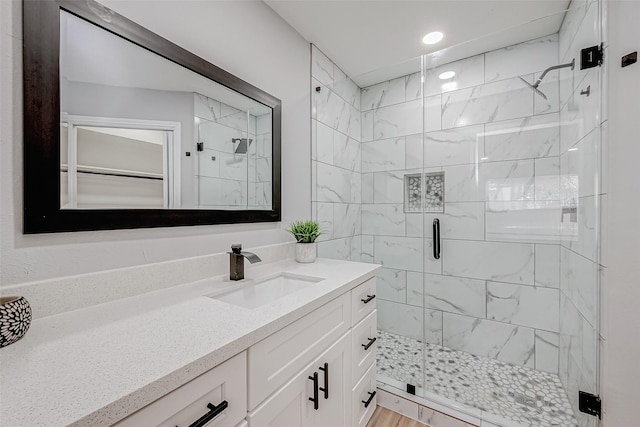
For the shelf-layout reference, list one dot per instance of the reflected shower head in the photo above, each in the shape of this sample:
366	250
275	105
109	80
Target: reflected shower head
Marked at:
243	145
534	87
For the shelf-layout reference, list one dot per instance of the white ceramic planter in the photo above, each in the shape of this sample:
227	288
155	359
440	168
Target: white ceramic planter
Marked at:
306	252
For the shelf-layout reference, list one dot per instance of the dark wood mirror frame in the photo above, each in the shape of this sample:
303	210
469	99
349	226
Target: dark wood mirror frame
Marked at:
42	213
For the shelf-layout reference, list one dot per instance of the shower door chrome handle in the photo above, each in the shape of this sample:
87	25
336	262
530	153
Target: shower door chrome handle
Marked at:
436	238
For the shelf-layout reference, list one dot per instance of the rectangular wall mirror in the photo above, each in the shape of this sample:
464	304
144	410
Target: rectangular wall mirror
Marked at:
124	129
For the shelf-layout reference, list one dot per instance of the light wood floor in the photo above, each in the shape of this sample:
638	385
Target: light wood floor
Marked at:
383	417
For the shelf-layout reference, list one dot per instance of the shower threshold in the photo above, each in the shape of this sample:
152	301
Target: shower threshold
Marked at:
519	395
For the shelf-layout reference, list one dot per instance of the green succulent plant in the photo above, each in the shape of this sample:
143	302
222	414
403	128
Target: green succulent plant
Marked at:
305	231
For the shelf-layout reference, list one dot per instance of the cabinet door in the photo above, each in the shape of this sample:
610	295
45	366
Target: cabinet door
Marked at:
334	377
289	406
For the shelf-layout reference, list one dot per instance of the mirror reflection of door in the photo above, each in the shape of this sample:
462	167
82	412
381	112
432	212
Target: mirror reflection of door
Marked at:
109	167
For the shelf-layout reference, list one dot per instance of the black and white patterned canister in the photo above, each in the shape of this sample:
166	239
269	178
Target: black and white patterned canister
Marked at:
15	319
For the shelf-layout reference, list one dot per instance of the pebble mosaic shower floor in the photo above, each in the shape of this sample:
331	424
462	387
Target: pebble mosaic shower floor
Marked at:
529	397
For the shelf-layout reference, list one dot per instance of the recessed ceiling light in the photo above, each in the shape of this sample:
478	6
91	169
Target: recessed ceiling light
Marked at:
433	37
447	75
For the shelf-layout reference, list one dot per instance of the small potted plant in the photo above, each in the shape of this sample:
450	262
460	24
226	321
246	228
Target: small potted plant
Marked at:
305	233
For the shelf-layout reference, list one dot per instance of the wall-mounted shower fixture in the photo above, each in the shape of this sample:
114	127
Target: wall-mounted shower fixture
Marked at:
534	86
243	144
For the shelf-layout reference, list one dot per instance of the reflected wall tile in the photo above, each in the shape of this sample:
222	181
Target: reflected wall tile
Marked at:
324	144
431	265
547	348
391	285
522	58
401	319
523	305
433	113
321	67
334	184
547	178
324	212
547	266
218	137
459	221
578	280
469	72
388	187
346	219
383	155
523	221
208	167
413	149
205	107
525	138
433	326
415	293
367	188
403	253
454	146
366	120
346	152
236	120
233	166
582	164
398	120
413	86
455	295
415	224
366	249
383	94
502	100
504	262
383	219
486	338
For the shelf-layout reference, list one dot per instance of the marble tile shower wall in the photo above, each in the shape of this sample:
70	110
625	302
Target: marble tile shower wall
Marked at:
495	290
581	148
336	159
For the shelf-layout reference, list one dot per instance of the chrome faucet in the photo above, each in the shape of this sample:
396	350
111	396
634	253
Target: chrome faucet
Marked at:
236	261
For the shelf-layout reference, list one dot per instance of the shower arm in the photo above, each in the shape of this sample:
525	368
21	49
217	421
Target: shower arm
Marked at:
571	64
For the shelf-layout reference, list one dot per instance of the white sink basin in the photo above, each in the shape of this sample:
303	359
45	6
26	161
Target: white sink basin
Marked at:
266	290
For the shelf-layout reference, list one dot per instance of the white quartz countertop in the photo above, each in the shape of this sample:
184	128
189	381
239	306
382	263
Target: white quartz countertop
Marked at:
94	366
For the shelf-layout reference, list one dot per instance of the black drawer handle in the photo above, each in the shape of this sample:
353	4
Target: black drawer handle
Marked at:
368	401
369	298
314	399
325	389
214	412
369	344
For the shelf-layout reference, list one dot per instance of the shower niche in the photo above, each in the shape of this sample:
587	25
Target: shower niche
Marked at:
424	192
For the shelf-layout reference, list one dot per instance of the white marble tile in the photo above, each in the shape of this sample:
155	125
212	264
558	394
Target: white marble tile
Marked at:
383	155
585	240
580	115
504	262
388	187
486	338
433	326
415	294
222	192
383	219
356	248
401	319
547	348
469	72
336	113
366	123
571	335
579	166
431	265
570	25
523	221
218	137
398	120
383	94
403	253
335	249
233	166
334	184
523	305
438	419
366	248
547	266
367	188
501	100
233	120
263	123
355	187
525	138
460	220
314	180
455	295
324	143
520	59
413	148
345	87
433	113
321	67
324	216
346	152
346	219
547	178
415	224
263	170
391	285
578	280
456	146
205	107
314	140
206	165
413	86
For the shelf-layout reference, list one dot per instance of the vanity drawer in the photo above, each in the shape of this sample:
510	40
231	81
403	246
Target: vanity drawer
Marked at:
277	358
363	345
224	383
364	394
363	300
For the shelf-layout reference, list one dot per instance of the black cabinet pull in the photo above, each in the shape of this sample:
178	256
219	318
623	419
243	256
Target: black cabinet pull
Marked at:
436	238
314	399
368	401
214	412
325	389
369	298
369	344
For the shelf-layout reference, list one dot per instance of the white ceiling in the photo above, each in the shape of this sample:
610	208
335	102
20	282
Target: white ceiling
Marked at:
373	41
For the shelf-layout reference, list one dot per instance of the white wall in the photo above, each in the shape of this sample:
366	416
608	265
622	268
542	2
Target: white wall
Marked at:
263	50
621	287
